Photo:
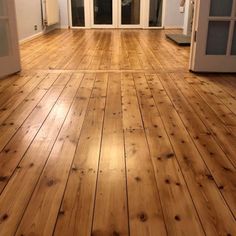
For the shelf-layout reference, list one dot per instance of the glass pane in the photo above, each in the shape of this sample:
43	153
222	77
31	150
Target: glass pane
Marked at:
233	51
2	11
130	12
221	7
4	46
155	13
78	12
217	39
103	12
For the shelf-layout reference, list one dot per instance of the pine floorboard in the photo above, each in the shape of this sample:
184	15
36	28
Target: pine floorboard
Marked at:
107	133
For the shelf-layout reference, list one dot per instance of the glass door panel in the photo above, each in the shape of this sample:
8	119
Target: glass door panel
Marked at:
4	40
221	8
103	12
130	12
78	13
217	39
233	50
2	8
155	13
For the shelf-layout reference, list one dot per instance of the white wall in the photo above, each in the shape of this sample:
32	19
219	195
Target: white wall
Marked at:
173	17
28	14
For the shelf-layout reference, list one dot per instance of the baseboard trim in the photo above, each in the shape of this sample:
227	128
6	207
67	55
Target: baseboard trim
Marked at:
25	40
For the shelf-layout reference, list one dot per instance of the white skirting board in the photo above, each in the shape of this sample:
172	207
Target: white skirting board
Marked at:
38	34
31	37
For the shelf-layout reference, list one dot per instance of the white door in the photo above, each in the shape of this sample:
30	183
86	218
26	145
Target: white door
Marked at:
9	49
214	36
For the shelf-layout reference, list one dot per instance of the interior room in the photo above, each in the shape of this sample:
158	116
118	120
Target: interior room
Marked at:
117	117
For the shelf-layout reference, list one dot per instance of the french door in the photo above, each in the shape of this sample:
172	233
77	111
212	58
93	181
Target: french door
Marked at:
9	49
116	13
129	13
103	13
214	37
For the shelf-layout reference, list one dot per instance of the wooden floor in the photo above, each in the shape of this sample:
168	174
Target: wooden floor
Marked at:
106	133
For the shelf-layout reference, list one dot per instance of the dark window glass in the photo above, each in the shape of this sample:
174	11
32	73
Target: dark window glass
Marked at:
103	12
221	7
130	12
78	18
155	13
217	40
233	51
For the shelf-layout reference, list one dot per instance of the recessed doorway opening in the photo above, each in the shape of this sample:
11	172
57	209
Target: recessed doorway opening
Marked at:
116	13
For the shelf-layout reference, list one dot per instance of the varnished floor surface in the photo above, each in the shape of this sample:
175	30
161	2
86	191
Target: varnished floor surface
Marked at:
106	133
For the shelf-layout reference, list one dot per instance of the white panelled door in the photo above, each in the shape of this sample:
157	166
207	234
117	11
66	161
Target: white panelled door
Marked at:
9	48
214	36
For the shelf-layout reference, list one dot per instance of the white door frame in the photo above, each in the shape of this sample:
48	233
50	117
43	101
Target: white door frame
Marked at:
89	18
199	61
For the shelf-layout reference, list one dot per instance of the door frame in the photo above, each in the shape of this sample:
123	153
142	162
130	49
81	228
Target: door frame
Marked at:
144	16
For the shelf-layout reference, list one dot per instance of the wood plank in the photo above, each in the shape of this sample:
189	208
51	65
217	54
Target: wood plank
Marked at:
111	214
227	117
27	93
14	88
11	118
20	142
7	81
210	151
217	90
181	218
16	195
54	177
204	192
145	211
223	136
76	212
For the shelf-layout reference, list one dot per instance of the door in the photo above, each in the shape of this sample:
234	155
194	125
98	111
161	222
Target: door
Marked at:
116	13
155	10
129	12
214	36
104	14
9	49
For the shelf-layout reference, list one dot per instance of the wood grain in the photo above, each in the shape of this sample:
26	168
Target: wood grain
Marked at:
106	132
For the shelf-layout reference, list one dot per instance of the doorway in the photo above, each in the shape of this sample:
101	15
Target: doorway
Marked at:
116	13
